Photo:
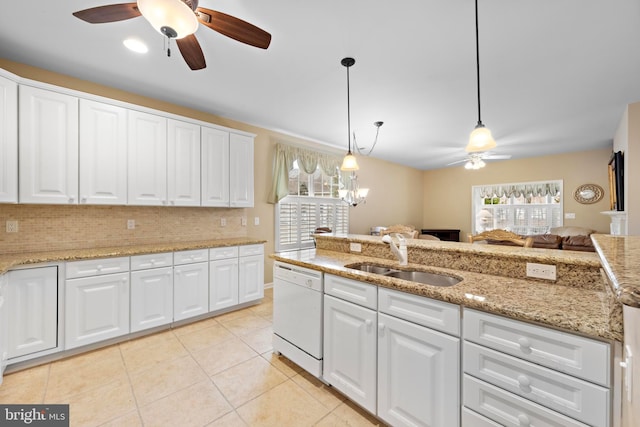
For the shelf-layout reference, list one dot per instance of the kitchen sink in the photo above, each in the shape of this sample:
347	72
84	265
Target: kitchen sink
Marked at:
425	277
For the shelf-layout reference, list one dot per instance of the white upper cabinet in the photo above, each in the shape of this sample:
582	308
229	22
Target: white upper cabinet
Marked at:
215	167
8	141
147	178
103	153
241	171
183	163
48	149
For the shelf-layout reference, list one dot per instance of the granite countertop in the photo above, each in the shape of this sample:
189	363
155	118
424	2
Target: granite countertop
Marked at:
584	311
620	257
14	259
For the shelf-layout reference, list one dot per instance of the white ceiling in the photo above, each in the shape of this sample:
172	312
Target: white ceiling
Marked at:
555	74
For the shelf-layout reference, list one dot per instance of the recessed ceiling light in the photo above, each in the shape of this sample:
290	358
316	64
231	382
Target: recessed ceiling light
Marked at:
136	45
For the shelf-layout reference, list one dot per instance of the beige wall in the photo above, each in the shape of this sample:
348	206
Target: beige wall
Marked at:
627	140
447	192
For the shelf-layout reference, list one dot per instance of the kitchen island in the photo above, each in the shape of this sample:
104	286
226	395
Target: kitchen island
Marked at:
497	348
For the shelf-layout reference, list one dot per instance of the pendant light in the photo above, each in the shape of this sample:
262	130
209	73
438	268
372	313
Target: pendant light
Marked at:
349	162
481	138
352	194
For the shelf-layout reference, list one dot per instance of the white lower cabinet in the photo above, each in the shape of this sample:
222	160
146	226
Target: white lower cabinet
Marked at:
223	283
250	273
236	275
151	291
516	373
32	305
395	354
190	284
350	350
96	300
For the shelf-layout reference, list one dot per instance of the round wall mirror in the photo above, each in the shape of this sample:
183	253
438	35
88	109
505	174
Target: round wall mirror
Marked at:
588	193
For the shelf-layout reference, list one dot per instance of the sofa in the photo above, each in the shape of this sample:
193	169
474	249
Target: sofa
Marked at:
565	238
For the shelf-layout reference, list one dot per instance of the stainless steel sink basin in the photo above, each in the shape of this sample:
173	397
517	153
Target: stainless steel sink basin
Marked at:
425	277
371	268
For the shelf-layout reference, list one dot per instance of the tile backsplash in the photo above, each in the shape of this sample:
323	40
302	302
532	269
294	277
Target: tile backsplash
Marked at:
54	227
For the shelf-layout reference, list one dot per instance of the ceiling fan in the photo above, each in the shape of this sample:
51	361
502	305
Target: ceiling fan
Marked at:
178	19
476	160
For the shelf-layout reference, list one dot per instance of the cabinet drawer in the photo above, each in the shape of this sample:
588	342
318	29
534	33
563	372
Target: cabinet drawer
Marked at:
354	291
508	409
251	250
95	267
223	253
434	314
578	399
142	262
578	356
471	419
190	257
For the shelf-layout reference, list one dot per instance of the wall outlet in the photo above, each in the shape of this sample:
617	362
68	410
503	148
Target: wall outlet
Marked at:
355	247
131	224
12	226
569	215
243	221
223	222
256	220
541	271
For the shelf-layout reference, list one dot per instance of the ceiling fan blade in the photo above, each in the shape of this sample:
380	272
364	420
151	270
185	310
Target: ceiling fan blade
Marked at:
191	52
456	162
497	157
234	28
109	13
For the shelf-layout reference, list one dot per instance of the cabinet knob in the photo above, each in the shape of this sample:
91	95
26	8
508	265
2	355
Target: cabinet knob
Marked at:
164	202
368	324
99	267
309	282
83	199
525	344
381	328
168	273
524	382
523	420
71	200
178	272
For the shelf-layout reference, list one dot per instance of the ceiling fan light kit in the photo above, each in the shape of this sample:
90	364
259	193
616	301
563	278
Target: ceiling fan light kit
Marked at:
172	18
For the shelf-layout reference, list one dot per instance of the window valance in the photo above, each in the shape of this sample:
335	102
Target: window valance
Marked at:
308	161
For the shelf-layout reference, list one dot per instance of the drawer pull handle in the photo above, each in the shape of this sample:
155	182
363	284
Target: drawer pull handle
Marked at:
368	324
524	382
524	343
523	420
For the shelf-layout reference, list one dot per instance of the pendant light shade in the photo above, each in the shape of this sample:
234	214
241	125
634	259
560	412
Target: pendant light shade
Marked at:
481	138
172	18
349	163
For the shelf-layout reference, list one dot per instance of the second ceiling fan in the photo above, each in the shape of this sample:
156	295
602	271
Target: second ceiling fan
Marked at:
179	19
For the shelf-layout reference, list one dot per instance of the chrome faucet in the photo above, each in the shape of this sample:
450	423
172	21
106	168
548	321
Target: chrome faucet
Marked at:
399	251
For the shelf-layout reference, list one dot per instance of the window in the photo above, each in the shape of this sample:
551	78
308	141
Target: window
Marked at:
524	208
311	201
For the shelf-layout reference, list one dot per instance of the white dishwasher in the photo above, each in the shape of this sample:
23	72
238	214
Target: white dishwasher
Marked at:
297	315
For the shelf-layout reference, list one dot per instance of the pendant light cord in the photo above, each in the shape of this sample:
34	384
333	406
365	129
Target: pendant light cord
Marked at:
348	113
478	65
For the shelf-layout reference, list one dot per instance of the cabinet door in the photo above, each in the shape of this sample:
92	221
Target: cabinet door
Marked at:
96	309
190	290
251	278
147	177
350	350
32	302
4	325
8	141
48	148
240	171
103	154
183	163
215	167
418	375
151	298
223	283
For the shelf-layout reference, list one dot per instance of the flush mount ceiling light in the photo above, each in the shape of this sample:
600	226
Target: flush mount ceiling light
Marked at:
353	194
481	138
135	45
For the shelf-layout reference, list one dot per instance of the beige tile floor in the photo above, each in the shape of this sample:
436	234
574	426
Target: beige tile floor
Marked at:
216	372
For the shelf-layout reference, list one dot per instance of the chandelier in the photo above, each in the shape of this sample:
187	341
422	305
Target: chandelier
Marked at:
353	194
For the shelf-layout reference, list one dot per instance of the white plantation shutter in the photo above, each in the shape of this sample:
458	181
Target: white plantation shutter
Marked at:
297	217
